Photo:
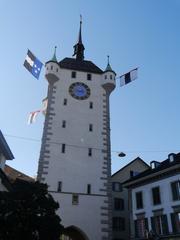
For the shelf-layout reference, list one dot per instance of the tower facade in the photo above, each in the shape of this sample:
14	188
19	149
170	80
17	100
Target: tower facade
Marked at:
75	159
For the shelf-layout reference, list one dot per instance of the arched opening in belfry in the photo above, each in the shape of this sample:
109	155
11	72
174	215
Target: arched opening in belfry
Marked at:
73	233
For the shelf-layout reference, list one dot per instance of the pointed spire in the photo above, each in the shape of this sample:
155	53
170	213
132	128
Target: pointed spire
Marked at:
108	68
80	37
79	47
54	59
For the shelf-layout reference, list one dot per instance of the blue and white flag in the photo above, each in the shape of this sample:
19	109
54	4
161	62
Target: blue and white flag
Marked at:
128	77
32	64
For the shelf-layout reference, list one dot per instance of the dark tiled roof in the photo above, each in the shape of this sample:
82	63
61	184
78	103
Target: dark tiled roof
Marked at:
14	174
4	148
84	66
166	164
136	159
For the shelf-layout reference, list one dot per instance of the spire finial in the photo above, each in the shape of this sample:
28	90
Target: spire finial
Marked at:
79	47
80	19
108	59
54	56
80	37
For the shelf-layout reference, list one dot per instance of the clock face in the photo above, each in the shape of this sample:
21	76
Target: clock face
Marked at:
79	90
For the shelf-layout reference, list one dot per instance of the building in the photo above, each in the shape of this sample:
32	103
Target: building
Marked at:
14	174
5	154
155	200
75	158
120	213
8	174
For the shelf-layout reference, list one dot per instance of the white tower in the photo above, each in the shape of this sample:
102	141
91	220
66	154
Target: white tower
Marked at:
75	159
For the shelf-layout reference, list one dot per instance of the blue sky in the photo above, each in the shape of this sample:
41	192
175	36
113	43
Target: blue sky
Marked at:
145	116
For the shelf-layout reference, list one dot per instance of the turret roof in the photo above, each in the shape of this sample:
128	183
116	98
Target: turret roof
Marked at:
108	68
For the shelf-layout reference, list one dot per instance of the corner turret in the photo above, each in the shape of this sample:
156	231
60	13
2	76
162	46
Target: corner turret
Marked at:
52	69
108	81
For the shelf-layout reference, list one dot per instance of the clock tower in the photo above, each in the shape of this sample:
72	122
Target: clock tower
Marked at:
75	156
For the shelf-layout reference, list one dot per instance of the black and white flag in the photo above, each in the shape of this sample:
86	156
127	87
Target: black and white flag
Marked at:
128	77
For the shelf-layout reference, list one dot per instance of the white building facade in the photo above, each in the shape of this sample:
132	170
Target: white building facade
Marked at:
75	158
155	201
120	197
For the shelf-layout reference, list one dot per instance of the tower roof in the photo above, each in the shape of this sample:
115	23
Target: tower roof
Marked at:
84	66
108	68
54	59
79	47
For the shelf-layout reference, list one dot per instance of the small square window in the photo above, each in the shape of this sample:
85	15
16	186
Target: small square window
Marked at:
119	204
117	187
63	147
89	76
73	74
65	101
90	152
59	188
91	105
75	199
118	224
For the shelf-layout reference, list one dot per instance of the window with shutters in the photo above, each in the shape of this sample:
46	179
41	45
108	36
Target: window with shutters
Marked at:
141	227
175	188
156	195
118	224
118	204
175	222
139	200
159	224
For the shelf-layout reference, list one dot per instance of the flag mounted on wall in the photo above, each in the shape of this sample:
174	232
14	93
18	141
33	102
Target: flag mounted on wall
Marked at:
32	64
128	77
32	116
